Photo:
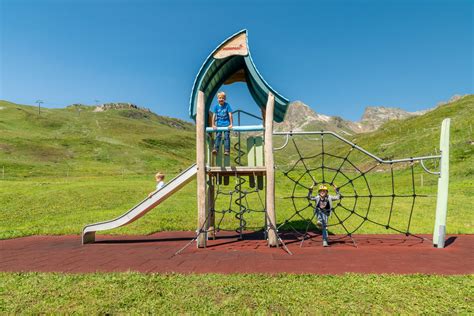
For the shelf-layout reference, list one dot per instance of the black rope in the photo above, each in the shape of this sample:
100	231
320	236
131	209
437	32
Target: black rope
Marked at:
302	159
292	171
342	163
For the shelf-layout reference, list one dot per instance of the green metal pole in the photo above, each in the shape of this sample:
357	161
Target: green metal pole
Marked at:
443	185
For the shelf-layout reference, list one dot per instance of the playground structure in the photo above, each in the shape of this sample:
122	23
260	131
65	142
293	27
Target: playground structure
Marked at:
231	62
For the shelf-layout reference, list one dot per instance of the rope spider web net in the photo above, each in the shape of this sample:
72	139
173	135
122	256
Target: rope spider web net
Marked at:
359	203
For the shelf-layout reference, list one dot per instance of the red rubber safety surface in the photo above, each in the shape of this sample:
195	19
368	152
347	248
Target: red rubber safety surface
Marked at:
155	253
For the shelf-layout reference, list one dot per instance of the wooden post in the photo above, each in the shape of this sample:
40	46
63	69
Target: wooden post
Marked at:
270	190
201	169
210	207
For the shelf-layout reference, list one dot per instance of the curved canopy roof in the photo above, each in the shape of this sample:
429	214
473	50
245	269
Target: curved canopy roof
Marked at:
228	63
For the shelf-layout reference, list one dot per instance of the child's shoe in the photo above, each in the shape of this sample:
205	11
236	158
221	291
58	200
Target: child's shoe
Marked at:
325	243
214	152
226	153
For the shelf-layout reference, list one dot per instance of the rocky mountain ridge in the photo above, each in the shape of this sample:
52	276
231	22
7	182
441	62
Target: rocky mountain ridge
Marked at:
133	111
119	106
300	117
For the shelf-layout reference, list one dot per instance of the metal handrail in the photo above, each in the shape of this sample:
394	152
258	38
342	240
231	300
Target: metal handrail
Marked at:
238	128
284	145
437	173
380	160
247	113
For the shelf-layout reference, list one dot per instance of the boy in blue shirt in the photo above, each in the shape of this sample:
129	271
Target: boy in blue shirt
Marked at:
222	117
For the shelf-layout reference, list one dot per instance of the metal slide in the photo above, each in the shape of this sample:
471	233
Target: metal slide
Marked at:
88	233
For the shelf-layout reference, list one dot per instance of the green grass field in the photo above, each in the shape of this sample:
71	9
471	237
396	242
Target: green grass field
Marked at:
63	206
136	293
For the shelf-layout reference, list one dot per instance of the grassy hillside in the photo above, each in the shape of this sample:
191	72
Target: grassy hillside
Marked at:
415	136
64	170
419	135
62	142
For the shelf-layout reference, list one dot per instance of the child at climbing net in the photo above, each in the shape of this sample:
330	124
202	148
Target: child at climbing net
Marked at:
323	207
222	117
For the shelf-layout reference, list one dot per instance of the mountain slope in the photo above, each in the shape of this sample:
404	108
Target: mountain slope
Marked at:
419	135
376	116
300	117
77	140
73	142
404	138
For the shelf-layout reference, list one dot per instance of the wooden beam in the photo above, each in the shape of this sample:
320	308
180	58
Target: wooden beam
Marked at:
236	170
262	110
269	165
211	203
201	169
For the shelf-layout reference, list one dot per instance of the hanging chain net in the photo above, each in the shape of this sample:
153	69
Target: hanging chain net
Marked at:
235	203
238	206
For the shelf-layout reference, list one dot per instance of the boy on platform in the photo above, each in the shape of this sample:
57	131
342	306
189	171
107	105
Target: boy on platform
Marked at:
222	117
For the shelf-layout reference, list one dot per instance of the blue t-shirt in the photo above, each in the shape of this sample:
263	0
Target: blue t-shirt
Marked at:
222	114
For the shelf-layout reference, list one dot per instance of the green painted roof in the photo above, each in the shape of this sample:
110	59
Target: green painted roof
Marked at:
214	72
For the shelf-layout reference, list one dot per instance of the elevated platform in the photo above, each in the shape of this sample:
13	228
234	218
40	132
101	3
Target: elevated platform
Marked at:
236	170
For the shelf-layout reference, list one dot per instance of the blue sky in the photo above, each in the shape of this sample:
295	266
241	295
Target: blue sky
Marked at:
336	56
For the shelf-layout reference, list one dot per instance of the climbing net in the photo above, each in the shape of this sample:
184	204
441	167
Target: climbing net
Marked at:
379	200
